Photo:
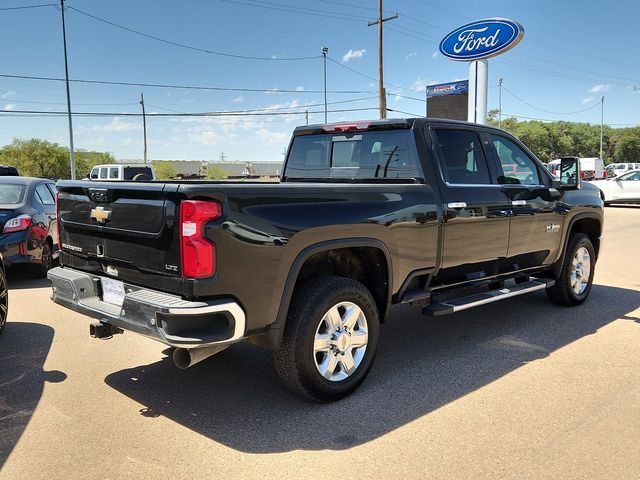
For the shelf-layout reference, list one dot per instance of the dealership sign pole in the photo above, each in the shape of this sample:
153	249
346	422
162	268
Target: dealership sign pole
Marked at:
475	43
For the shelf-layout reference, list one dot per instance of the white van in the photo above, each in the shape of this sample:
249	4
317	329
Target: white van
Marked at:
117	172
591	168
617	169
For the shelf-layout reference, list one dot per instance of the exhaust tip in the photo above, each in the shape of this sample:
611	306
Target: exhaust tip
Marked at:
182	358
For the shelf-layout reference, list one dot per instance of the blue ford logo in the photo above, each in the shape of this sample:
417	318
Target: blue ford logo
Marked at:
481	39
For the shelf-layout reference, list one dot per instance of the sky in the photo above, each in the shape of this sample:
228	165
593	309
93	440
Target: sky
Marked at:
573	52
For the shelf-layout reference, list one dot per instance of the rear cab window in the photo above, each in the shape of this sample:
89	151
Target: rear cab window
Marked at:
462	157
359	155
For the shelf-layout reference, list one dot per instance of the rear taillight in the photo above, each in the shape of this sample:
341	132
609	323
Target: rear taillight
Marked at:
17	224
58	220
198	254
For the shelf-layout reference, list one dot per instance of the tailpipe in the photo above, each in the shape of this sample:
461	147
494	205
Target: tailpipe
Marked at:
184	358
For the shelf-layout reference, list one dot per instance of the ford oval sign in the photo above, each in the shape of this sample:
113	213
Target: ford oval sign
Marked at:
482	39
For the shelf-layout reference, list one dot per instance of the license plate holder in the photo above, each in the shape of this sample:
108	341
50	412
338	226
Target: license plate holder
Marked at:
112	291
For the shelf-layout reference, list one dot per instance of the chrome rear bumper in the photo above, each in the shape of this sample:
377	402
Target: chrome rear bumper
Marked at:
161	316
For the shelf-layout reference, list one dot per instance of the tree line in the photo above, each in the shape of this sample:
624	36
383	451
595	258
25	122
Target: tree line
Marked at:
552	140
40	158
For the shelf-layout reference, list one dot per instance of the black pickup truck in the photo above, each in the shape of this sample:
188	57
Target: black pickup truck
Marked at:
439	214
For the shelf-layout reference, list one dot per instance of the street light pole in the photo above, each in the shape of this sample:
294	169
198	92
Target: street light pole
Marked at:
66	79
601	123
325	50
500	102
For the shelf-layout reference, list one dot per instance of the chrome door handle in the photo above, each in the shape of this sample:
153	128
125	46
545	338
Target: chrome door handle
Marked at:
517	203
457	205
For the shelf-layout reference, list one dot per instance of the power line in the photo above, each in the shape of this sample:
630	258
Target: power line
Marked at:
183	87
404	113
289	9
25	7
183	45
168	115
367	76
543	110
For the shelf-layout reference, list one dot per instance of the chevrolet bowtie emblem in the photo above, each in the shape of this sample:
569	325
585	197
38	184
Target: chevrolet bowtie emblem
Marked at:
100	215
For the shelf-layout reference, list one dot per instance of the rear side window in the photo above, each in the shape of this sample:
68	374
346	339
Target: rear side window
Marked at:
103	172
463	159
113	173
43	195
370	155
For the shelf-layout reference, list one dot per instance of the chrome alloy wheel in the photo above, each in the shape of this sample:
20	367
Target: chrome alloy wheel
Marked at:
580	271
340	341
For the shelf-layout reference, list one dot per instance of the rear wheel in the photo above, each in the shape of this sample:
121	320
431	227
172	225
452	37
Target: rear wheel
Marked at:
4	299
330	338
576	277
46	259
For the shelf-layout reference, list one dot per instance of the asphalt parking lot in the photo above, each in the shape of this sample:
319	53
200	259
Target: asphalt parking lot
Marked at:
517	389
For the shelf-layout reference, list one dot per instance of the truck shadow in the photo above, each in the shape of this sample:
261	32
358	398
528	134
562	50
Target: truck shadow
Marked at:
23	350
235	398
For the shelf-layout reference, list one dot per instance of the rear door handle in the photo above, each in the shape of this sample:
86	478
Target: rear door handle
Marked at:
457	205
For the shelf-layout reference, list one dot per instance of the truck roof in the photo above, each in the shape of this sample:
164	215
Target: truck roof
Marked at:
382	124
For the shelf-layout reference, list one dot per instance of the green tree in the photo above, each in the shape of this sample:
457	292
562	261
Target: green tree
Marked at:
627	145
164	170
216	173
86	160
37	158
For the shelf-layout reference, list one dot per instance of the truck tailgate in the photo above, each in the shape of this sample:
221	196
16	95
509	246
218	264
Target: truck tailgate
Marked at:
123	229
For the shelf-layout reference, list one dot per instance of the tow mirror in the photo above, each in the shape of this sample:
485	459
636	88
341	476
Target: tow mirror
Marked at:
570	175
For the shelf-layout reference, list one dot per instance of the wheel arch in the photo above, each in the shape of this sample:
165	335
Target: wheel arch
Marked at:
316	259
587	223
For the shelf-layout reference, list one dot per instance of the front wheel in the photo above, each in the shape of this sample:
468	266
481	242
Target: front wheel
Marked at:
330	338
576	277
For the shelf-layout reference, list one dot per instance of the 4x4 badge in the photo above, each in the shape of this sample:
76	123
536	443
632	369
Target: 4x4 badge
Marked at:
553	228
100	215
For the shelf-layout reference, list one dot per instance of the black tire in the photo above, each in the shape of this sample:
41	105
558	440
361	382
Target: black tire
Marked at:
295	359
562	292
4	299
46	260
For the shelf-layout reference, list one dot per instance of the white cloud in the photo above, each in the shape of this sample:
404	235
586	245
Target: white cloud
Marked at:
435	55
8	93
116	125
239	99
10	106
271	136
410	55
351	54
419	84
299	89
586	100
273	91
600	87
207	137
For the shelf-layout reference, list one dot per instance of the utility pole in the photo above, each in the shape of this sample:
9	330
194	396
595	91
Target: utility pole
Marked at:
144	126
325	50
500	102
66	79
601	123
223	157
382	93
306	116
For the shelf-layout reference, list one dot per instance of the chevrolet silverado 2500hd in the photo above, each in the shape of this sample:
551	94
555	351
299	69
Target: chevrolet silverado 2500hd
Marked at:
439	214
